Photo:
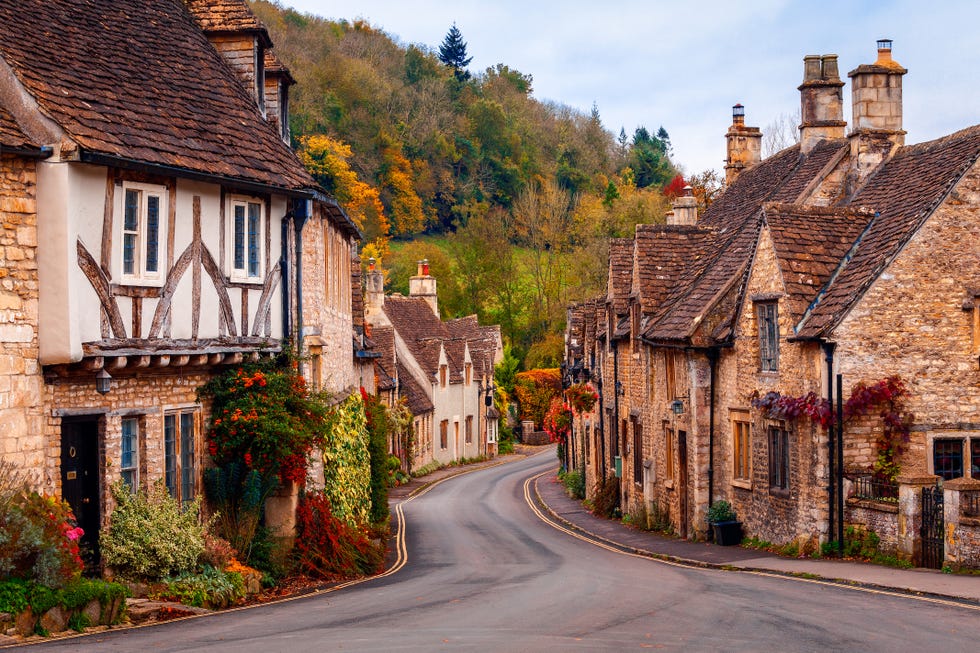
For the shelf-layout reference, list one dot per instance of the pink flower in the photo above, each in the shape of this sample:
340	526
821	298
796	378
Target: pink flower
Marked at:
75	533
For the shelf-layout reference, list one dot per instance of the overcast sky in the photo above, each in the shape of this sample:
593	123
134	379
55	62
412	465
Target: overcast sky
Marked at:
683	65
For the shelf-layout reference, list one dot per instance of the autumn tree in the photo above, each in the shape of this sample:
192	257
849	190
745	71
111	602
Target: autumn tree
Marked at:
452	53
327	159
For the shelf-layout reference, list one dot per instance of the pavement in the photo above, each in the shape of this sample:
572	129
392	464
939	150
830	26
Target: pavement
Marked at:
552	496
572	514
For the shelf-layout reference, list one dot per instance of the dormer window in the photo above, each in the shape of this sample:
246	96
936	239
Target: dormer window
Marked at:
247	236
142	210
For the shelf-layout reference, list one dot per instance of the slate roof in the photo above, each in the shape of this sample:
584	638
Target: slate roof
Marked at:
11	135
139	81
904	192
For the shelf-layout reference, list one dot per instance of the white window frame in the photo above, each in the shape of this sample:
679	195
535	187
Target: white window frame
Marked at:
240	269
140	276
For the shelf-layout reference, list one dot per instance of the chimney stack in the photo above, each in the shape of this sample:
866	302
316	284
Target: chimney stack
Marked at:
374	291
685	209
821	101
744	145
424	285
876	102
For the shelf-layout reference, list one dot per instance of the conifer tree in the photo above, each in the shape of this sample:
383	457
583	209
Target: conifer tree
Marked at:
452	52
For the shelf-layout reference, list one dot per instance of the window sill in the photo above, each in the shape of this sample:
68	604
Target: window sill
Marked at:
246	281
669	485
138	282
742	483
779	492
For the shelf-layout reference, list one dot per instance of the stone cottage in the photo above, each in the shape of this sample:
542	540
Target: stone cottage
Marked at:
848	253
444	369
153	222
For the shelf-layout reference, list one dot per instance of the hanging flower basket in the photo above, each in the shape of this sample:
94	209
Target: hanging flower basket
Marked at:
581	397
558	420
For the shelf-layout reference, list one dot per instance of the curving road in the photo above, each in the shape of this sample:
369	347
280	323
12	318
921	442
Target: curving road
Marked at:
484	573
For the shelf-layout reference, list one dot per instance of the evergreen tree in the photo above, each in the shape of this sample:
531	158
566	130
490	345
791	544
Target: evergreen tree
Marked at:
452	52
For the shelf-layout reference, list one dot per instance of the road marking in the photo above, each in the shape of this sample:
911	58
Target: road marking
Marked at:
622	550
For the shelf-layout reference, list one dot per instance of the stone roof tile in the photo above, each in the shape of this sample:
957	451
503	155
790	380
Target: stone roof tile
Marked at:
139	81
903	193
11	134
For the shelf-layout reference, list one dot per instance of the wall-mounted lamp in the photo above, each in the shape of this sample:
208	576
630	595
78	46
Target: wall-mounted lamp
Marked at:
619	388
677	406
103	382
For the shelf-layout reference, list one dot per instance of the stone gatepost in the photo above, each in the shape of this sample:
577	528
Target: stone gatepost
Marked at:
960	550
910	514
280	515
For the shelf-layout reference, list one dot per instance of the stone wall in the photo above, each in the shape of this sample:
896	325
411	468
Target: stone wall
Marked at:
327	318
21	422
877	516
916	321
800	512
147	396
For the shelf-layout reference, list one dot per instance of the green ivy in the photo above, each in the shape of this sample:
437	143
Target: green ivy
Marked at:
347	463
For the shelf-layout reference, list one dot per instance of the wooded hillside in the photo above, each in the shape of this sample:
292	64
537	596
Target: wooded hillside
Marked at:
516	195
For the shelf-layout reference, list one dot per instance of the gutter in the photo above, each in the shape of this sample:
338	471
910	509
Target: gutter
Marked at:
44	152
300	213
236	183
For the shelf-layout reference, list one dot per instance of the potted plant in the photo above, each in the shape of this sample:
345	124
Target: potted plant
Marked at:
724	523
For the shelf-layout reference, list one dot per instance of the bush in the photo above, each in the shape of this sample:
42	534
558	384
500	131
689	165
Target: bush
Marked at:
534	390
574	482
606	501
212	588
328	547
217	552
379	427
721	511
17	595
38	536
150	535
237	495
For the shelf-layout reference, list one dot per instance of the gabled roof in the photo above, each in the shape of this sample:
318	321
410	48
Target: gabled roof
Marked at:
385	365
137	82
727	235
420	328
903	193
415	397
665	254
809	243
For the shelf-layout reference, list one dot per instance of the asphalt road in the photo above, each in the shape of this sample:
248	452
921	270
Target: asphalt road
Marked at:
484	573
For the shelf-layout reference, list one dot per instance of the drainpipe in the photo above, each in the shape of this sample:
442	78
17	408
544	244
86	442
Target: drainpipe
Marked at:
615	421
285	265
300	215
828	350
713	367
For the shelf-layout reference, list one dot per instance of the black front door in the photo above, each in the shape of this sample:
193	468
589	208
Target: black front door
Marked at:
80	481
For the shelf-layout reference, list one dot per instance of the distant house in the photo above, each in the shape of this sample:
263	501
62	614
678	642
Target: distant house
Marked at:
156	227
844	254
443	369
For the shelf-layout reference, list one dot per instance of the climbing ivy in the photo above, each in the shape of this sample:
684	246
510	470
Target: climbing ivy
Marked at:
347	463
887	396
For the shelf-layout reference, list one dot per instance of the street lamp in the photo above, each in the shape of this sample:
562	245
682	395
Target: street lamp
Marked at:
103	382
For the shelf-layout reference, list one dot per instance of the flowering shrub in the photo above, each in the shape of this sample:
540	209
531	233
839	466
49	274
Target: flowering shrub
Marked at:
534	390
264	417
211	588
558	420
581	397
150	535
328	546
39	539
887	395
